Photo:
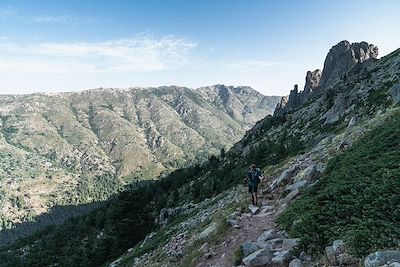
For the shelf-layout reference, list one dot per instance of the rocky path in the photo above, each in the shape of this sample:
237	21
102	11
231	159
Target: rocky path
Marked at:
249	227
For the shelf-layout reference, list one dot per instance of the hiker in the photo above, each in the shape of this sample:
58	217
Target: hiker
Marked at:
253	178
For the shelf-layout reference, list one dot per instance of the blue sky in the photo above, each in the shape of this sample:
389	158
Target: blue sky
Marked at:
52	46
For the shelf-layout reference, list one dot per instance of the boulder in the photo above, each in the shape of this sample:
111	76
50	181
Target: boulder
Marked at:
253	209
259	258
331	256
346	259
232	223
147	239
290	196
275	243
285	176
339	247
281	258
266	209
382	257
268	235
281	209
305	257
248	248
207	232
353	121
308	174
337	111
204	248
290	243
115	263
264	245
296	263
395	93
208	255
235	214
298	185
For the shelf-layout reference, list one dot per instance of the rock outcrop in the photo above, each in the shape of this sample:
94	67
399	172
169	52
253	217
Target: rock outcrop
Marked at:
337	254
380	258
343	61
343	57
395	92
281	106
312	80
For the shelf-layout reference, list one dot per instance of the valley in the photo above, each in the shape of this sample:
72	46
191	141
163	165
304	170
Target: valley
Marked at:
79	148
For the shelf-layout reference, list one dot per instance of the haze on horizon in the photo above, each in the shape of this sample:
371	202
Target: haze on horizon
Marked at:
54	46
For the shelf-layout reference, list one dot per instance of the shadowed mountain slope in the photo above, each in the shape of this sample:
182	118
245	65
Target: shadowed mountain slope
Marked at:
71	148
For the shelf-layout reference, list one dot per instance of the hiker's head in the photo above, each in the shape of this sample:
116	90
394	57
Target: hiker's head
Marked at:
253	166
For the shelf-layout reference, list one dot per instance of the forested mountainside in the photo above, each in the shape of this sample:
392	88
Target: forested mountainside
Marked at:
75	148
197	216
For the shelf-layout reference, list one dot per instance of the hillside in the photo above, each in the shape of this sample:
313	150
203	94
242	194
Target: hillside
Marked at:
198	216
76	148
359	190
338	149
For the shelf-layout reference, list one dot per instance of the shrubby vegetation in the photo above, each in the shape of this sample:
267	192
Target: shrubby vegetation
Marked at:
89	191
357	199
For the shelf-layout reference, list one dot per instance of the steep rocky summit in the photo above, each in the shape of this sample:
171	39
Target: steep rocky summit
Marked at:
344	60
343	57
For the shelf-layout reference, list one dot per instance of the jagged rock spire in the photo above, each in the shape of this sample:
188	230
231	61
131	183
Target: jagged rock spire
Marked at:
343	57
339	62
312	80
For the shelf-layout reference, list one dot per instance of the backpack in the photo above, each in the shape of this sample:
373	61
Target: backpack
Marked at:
254	177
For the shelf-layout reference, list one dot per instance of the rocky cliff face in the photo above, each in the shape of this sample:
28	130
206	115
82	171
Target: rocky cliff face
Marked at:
343	57
344	60
313	79
242	103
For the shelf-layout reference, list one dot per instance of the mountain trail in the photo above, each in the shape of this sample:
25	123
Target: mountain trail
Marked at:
249	228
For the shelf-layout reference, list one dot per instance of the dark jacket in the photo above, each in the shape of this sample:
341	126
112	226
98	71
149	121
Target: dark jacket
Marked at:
253	177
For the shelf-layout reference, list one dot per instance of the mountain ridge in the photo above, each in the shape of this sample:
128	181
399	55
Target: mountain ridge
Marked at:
79	147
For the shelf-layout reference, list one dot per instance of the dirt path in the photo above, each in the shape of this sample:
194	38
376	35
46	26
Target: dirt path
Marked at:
251	227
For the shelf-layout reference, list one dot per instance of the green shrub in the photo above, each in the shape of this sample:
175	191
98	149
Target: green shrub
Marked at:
238	256
357	199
